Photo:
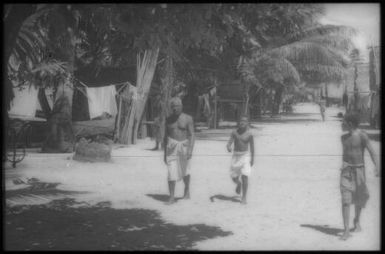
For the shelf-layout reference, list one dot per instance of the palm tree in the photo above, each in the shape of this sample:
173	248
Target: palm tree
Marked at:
318	54
29	60
46	53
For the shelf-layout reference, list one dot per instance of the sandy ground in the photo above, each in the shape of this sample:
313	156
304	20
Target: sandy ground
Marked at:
293	198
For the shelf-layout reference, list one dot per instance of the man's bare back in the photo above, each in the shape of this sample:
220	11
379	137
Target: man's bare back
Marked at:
354	145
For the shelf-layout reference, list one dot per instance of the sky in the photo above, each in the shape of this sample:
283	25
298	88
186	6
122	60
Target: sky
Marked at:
365	17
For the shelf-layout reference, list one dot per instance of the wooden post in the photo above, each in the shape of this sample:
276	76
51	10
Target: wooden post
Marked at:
143	126
326	95
117	123
215	112
355	88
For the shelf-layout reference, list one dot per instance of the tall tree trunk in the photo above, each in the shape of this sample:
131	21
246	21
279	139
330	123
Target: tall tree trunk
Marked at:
216	118
258	111
168	81
372	85
44	103
246	105
271	101
277	99
127	104
246	99
372	72
355	88
61	136
145	73
326	95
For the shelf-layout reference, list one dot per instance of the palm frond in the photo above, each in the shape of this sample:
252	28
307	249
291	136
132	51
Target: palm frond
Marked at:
266	69
279	70
323	30
308	53
339	42
52	67
316	73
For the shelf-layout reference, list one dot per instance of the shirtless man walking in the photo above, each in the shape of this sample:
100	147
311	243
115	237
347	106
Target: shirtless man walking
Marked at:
179	143
242	161
353	180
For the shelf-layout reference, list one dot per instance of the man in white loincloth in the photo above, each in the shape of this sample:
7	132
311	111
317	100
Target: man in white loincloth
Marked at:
179	144
242	160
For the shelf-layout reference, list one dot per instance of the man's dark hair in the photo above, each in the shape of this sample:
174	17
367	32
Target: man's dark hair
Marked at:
353	118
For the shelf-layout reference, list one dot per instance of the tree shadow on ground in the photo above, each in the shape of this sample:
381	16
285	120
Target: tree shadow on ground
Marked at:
324	229
154	150
39	189
302	120
225	198
61	225
161	197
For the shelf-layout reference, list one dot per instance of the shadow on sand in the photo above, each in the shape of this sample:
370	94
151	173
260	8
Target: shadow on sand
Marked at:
324	229
61	225
161	197
40	189
226	198
153	149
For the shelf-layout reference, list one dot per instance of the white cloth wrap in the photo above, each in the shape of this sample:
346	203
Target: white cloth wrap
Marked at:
240	164
177	163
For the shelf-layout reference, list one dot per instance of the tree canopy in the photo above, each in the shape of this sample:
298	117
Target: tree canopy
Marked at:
261	42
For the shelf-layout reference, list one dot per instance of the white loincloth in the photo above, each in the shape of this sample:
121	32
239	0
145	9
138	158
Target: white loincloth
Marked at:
177	163
240	164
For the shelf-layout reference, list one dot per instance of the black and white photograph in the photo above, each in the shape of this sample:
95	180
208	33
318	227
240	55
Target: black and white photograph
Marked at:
191	126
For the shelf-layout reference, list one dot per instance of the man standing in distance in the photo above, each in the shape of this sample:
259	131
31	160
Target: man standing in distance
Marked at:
179	144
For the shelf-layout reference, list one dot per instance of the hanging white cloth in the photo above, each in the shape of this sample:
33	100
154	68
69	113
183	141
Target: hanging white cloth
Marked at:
24	103
100	100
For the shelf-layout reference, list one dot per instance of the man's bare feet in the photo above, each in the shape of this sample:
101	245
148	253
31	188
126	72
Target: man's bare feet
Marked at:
345	236
243	202
238	188
171	201
357	227
186	195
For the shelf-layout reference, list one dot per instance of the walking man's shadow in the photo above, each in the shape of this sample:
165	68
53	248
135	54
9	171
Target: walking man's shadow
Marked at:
324	229
161	197
226	198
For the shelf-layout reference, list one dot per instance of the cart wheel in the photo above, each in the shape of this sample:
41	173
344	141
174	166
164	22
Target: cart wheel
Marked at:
15	153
